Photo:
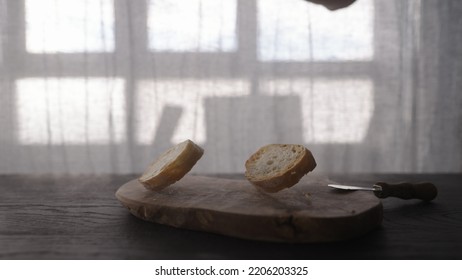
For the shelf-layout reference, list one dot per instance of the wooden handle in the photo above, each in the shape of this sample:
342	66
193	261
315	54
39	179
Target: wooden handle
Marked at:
424	191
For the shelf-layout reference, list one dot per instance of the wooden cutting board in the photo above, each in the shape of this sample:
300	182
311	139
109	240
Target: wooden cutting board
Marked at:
308	212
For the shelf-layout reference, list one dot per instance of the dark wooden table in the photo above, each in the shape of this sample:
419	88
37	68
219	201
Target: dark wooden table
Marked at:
78	217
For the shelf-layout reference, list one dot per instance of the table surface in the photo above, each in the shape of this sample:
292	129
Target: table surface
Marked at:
78	217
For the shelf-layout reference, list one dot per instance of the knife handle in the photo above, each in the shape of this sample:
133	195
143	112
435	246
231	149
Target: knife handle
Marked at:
424	191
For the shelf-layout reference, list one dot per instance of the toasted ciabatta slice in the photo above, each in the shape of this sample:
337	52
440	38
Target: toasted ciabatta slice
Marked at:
171	166
278	166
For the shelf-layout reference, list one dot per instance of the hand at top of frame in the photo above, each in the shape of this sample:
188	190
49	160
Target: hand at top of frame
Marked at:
333	4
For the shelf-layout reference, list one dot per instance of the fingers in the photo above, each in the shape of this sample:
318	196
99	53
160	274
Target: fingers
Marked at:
333	4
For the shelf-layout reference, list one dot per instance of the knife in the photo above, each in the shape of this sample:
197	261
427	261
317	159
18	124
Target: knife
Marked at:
424	191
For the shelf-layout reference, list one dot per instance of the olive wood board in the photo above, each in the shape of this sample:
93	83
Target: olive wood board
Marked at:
308	212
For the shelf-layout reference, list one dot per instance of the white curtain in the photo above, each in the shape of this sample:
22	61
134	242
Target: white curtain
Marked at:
104	86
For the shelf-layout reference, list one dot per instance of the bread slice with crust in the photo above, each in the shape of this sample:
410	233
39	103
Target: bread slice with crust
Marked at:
171	166
278	166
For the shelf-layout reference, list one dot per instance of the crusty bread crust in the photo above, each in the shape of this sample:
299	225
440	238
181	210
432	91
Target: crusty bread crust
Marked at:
174	169
285	176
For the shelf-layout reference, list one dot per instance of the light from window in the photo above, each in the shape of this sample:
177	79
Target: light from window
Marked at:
193	25
334	111
154	97
70	111
294	30
69	26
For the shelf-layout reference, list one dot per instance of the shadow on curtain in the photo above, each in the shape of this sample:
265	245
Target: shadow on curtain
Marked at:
105	86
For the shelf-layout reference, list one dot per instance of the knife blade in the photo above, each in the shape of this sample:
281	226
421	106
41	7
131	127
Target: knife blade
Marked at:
424	191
